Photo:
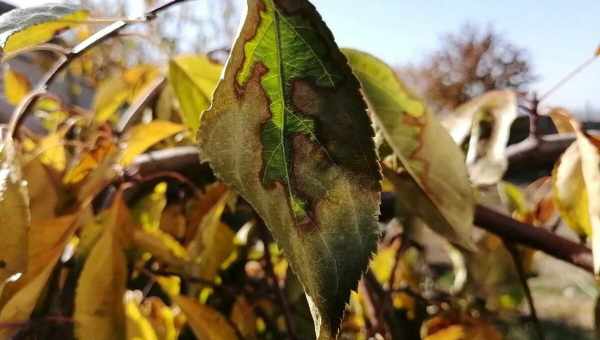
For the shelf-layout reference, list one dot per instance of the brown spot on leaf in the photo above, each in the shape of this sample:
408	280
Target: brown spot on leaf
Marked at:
2	264
304	97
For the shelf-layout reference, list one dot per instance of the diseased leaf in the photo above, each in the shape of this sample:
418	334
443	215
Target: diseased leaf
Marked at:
288	130
193	78
99	309
487	119
425	149
16	86
46	241
14	210
143	136
26	27
206	322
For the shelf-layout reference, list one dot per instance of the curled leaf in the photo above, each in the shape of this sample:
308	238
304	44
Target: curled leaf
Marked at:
288	130
26	27
427	153
487	120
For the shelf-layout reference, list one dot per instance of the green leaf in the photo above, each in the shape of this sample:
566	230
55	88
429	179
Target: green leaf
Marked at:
433	161
99	309
14	210
26	27
288	130
494	112
193	78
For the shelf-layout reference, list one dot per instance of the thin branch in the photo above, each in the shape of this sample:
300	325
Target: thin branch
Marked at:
569	76
188	158
516	256
136	108
62	63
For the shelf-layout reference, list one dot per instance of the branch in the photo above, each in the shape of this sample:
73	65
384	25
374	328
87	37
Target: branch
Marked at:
68	56
187	159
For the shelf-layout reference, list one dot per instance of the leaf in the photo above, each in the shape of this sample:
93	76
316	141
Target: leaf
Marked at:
138	326
148	210
212	243
26	27
99	310
495	110
14	211
16	86
53	151
193	78
244	317
206	322
425	149
162	245
288	130
560	119
47	239
143	136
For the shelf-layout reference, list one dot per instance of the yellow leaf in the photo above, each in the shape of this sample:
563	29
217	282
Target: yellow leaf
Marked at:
89	161
99	310
143	136
26	27
138	326
111	94
206	322
161	245
560	118
569	191
43	192
14	211
16	86
382	264
148	210
193	78
212	243
47	240
53	151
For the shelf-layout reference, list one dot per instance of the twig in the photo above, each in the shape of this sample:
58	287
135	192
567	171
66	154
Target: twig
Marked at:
516	256
65	59
569	76
187	159
138	106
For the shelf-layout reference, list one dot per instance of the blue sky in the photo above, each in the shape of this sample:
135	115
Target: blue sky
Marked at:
558	34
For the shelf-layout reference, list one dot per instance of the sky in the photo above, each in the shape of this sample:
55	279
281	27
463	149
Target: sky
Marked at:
559	35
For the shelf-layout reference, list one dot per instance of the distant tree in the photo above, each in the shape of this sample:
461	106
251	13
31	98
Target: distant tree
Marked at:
470	63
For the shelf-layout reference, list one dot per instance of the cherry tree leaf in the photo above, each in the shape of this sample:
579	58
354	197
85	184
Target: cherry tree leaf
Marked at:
99	309
206	322
14	210
16	86
577	178
26	27
288	130
143	136
495	110
46	241
193	78
427	152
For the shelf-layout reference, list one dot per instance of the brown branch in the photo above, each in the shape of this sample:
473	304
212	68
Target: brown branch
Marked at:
187	159
65	59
